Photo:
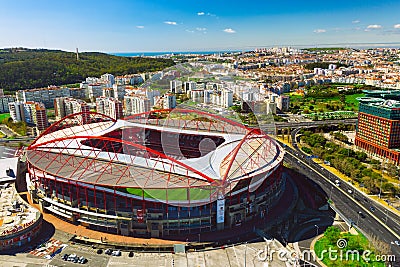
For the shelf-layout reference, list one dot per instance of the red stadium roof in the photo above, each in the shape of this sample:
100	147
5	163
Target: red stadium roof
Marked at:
85	148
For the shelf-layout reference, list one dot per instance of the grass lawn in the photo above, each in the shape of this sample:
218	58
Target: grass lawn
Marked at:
352	99
4	116
173	194
354	243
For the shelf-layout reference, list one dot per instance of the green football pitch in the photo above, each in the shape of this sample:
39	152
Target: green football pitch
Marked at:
173	194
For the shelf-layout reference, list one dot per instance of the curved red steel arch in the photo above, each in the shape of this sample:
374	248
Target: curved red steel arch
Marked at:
189	111
68	117
209	179
237	148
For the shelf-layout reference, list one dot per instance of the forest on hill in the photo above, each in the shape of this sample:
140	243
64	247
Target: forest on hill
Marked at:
22	68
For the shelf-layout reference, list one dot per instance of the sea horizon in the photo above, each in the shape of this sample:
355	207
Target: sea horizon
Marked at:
163	53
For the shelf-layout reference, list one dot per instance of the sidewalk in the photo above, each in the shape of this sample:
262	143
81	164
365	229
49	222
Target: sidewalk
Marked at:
82	231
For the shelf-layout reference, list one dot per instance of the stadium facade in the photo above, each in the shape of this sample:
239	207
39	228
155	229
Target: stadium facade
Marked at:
158	174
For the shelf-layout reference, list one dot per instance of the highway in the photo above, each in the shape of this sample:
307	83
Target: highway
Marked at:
380	222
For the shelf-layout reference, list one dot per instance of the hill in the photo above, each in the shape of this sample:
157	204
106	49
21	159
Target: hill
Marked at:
22	68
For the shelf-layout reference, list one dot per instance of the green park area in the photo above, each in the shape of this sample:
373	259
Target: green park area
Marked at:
361	170
171	194
344	249
4	116
327	101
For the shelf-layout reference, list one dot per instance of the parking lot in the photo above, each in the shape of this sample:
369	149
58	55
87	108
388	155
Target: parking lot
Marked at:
230	256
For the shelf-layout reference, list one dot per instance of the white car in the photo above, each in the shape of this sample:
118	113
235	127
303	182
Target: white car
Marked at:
350	191
116	253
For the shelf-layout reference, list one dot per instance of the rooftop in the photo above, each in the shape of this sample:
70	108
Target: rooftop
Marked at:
15	214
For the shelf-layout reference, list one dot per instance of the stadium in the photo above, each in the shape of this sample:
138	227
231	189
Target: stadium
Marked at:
156	174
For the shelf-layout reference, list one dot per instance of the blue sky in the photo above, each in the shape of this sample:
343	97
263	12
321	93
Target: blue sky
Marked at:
171	25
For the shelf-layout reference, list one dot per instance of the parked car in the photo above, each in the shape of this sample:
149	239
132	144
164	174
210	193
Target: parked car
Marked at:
116	253
131	254
99	251
82	260
108	251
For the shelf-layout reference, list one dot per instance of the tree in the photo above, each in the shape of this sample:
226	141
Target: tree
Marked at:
392	170
342	98
332	233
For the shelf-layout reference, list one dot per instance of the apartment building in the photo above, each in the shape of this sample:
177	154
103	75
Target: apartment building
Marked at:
43	95
135	104
109	106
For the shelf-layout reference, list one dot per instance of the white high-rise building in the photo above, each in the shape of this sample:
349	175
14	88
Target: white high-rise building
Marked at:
169	101
119	91
108	79
64	106
135	104
175	86
4	101
283	103
94	91
109	106
17	111
188	86
30	112
226	98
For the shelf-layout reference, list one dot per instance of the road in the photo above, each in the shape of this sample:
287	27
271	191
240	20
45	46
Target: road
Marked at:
6	131
7	152
381	223
386	215
305	124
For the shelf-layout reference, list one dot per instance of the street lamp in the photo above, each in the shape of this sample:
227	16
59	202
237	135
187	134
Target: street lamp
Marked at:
317	228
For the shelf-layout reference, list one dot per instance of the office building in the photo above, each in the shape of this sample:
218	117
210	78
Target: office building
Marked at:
378	126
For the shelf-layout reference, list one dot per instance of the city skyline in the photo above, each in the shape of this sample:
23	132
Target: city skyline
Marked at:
130	26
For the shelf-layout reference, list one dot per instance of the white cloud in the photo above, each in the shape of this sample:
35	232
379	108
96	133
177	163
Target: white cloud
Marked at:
355	21
374	26
200	13
201	29
229	30
319	30
140	27
189	31
396	26
170	22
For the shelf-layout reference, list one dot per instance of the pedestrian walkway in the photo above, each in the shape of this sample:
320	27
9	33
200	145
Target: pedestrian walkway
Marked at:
81	231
